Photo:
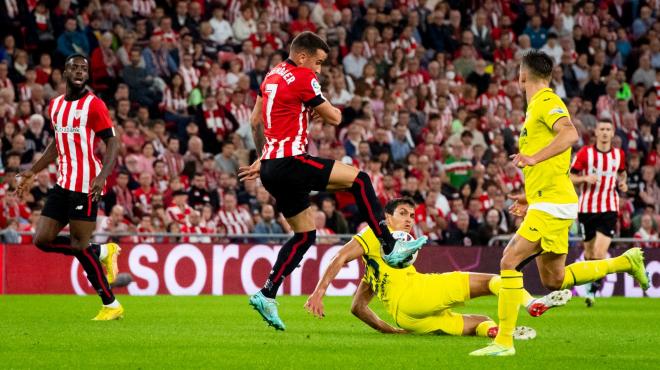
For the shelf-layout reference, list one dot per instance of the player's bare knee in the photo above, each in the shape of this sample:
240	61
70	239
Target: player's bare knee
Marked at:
78	244
508	261
42	241
552	283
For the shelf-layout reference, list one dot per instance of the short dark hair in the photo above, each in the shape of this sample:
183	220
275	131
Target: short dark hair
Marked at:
391	206
309	42
604	120
75	55
538	63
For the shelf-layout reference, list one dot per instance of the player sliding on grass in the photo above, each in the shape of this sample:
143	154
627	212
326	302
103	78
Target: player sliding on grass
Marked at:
549	206
419	303
288	96
78	117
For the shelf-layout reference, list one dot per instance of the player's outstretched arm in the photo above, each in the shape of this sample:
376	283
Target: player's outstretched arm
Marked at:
25	178
349	252
567	136
360	308
112	145
330	114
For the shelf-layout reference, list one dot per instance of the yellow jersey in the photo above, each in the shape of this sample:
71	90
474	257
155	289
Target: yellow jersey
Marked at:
548	186
386	282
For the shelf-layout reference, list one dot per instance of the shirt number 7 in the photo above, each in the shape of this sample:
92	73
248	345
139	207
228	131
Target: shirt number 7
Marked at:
271	90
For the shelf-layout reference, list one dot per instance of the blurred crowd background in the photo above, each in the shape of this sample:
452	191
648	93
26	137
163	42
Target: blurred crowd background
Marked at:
428	89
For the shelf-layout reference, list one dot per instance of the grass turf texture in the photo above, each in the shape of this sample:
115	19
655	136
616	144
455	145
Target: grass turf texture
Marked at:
224	332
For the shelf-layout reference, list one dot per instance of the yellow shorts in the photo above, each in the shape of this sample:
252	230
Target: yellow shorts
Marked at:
425	305
550	230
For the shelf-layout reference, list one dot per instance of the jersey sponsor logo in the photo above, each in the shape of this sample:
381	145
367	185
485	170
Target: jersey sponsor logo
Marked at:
67	130
316	87
557	110
523	133
79	208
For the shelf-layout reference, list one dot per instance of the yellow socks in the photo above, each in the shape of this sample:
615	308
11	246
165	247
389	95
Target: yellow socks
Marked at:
510	297
494	286
580	273
484	327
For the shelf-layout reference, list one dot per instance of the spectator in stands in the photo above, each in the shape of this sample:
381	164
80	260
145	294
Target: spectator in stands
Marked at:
324	234
268	225
335	221
114	223
647	232
141	83
491	227
199	196
72	41
460	233
225	161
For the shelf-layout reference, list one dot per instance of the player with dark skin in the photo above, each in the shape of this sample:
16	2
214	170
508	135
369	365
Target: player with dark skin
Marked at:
60	208
76	74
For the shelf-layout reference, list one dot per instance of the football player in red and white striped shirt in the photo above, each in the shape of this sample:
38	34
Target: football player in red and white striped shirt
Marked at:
289	95
78	118
599	170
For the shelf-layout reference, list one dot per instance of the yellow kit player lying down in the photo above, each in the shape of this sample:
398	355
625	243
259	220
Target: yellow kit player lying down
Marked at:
419	303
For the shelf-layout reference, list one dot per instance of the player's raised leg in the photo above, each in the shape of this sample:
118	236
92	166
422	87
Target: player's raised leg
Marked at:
555	276
288	258
81	232
345	177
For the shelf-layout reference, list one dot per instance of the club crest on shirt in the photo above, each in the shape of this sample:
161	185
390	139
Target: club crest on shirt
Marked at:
77	114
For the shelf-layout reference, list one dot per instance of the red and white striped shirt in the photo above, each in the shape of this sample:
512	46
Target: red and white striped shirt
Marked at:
491	102
174	102
278	12
216	120
236	221
178	215
248	61
76	124
144	7
601	196
25	92
6	83
288	91
241	112
196	232
429	216
190	78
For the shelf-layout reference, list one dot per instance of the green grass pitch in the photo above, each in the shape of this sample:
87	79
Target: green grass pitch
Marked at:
224	332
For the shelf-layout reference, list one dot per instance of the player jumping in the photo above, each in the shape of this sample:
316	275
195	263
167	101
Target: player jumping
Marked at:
78	118
549	206
599	170
288	94
419	303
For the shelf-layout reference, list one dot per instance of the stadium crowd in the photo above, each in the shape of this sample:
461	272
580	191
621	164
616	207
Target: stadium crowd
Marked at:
428	89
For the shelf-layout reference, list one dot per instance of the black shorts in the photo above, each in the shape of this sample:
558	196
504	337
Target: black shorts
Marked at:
291	179
66	205
605	223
